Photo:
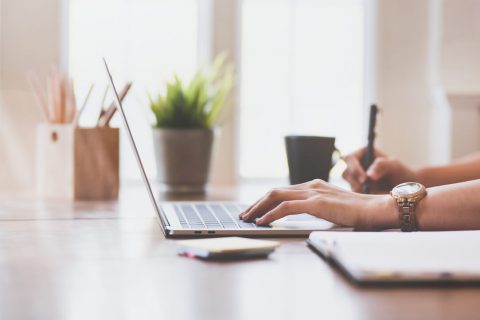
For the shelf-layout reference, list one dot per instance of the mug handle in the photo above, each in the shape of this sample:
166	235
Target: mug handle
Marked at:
336	156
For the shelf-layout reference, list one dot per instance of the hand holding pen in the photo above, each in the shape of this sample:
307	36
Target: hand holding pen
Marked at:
384	173
371	171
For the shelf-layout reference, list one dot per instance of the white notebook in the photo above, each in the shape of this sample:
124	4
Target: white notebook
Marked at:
450	256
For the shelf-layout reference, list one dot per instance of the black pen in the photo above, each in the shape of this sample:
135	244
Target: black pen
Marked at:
369	155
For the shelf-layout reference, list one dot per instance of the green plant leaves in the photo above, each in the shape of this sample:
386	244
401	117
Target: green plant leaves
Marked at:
197	104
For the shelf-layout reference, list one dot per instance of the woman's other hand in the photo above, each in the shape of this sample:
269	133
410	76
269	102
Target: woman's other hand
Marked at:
384	173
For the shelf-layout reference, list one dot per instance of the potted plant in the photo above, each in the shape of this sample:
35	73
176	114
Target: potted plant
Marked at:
185	120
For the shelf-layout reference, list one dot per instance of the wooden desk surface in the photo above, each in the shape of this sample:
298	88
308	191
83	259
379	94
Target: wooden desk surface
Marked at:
109	260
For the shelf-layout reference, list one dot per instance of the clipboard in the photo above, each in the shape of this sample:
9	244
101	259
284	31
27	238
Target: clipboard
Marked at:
402	257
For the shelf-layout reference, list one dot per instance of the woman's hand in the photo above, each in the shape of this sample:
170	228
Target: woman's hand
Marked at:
323	200
384	173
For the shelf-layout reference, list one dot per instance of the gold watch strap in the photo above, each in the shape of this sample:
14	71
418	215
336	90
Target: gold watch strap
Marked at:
407	215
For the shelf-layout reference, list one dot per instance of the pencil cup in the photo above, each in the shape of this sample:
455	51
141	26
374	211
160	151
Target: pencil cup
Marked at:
77	163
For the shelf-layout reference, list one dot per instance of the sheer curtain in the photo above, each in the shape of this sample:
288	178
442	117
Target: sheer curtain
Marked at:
302	73
144	41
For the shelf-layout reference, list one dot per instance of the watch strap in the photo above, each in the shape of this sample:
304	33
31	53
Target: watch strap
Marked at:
407	215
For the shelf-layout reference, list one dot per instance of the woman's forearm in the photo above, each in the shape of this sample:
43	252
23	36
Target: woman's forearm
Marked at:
464	169
447	207
450	207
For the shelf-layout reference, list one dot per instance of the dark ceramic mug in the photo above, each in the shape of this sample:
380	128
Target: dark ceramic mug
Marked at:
310	157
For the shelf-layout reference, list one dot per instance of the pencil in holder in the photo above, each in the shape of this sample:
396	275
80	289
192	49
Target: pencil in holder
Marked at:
77	163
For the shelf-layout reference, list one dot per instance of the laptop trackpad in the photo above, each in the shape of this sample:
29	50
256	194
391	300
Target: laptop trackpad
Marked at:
303	221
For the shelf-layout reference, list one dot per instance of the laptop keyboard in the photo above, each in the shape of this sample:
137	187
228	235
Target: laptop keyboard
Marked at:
211	216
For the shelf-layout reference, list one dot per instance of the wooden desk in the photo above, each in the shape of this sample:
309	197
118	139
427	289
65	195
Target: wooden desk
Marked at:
60	260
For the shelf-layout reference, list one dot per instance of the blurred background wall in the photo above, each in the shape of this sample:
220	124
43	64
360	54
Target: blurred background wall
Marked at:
423	70
30	39
428	78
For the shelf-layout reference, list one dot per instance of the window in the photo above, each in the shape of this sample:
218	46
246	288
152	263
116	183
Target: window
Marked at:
137	39
302	73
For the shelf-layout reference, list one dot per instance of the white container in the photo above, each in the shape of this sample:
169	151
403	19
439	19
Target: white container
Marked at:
77	163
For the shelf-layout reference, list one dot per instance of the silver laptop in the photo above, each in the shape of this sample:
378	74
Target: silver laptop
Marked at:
203	219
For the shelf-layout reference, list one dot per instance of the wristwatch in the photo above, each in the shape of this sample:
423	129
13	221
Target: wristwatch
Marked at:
408	195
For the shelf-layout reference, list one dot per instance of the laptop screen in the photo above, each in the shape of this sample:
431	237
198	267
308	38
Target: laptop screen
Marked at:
120	110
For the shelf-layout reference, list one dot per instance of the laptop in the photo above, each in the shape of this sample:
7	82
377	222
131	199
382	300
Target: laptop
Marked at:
203	219
395	257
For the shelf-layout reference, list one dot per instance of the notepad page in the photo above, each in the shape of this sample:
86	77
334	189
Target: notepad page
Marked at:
228	244
400	252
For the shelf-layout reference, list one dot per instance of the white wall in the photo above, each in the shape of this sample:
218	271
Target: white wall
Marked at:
29	41
461	73
403	78
426	49
461	46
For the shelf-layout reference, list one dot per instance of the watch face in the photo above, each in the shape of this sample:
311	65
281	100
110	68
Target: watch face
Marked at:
406	189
